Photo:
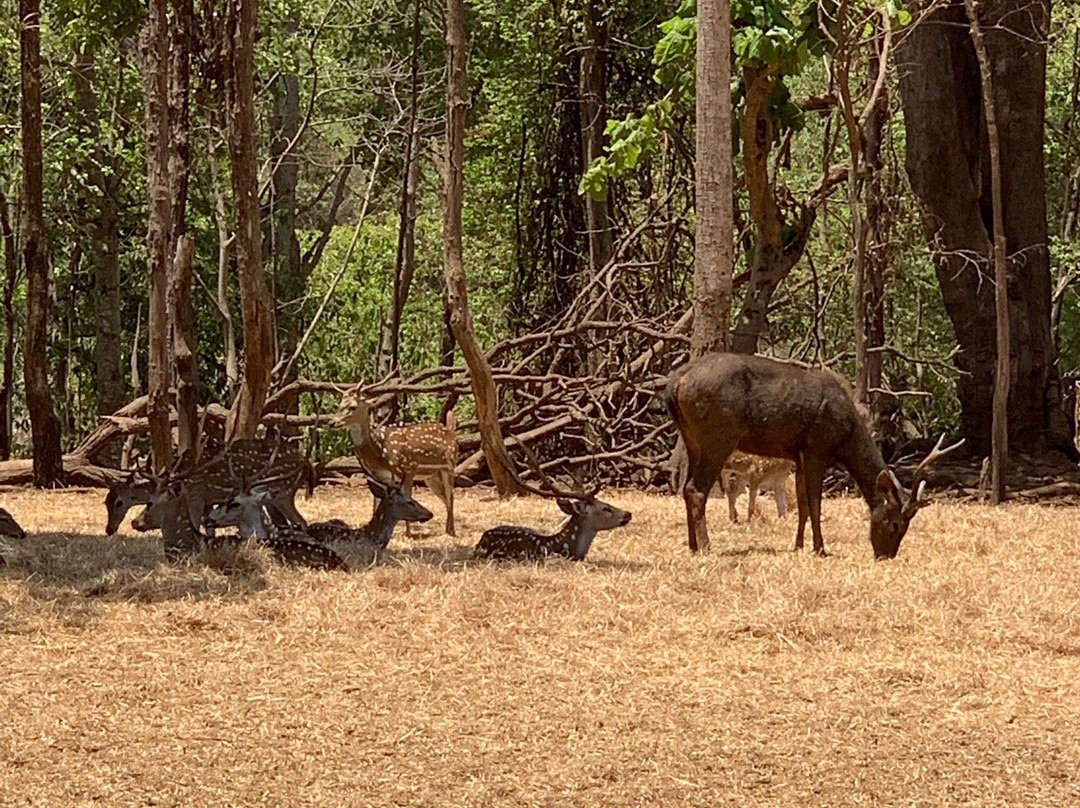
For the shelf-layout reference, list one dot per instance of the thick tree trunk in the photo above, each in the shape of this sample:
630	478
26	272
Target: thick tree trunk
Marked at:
714	242
45	426
255	302
154	67
948	165
483	386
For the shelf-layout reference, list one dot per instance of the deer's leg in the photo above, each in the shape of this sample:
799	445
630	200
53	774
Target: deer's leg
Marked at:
804	508
780	493
732	486
407	486
814	474
752	509
703	473
442	486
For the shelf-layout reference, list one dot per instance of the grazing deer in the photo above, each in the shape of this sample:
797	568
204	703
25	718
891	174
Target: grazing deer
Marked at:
588	516
403	452
722	402
744	471
214	481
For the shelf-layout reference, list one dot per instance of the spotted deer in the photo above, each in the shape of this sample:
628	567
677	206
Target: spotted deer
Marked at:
587	518
214	481
181	536
394	506
745	471
722	402
403	452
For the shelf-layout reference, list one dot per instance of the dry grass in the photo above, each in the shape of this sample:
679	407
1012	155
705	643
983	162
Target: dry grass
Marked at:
645	676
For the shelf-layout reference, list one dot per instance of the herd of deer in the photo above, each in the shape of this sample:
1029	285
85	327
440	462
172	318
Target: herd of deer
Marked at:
745	420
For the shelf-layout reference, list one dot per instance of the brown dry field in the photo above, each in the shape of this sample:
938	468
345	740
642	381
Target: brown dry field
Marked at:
645	676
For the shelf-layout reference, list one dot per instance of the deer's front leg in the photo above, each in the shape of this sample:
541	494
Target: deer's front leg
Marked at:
813	475
800	500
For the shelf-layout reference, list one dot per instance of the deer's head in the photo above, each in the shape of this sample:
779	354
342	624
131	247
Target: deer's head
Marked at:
354	408
890	517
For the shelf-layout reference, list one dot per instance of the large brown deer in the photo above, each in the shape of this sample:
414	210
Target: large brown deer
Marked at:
724	402
403	452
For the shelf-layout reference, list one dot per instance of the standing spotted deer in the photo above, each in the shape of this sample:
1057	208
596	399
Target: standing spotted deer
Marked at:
403	452
723	402
745	471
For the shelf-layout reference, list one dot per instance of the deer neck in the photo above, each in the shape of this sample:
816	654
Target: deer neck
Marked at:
360	428
865	463
381	527
578	536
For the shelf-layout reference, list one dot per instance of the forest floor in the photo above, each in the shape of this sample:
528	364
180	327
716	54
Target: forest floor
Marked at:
644	676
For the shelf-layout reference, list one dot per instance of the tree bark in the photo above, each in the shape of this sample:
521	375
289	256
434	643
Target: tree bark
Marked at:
483	386
592	86
255	302
948	165
182	253
45	426
11	278
713	244
1000	430
154	67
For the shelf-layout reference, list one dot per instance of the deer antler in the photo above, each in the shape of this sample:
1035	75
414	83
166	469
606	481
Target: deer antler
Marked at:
918	483
554	490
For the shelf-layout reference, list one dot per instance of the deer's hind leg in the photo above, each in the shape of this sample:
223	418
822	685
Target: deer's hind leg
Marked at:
804	507
442	485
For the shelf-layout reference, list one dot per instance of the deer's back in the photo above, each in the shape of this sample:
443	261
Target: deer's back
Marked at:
771	408
420	447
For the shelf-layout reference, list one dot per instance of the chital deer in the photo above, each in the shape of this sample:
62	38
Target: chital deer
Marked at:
215	481
723	402
403	452
394	506
587	518
745	471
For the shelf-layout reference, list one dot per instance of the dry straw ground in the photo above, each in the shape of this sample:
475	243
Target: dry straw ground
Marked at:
645	676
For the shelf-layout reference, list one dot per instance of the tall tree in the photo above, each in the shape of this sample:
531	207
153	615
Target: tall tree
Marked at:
480	377
45	426
154	69
714	248
241	17
948	164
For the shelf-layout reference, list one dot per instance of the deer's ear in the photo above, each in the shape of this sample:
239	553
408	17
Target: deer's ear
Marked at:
887	485
377	489
568	506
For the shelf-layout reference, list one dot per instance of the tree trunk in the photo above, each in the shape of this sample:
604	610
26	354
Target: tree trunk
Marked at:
45	426
256	305
405	261
778	244
948	165
154	67
483	386
592	85
288	276
11	277
1000	430
181	267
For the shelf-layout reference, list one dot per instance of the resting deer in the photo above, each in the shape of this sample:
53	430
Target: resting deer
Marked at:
744	471
214	481
394	506
587	518
403	452
9	528
723	402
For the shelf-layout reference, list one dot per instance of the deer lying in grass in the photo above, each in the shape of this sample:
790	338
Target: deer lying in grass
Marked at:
723	402
215	481
393	506
10	529
587	518
744	471
403	452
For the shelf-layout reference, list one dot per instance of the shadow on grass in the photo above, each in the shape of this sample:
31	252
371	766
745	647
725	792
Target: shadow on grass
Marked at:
61	567
753	549
459	557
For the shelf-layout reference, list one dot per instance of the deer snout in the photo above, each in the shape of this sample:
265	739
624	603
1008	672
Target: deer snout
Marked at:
625	518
